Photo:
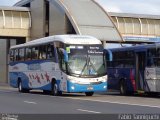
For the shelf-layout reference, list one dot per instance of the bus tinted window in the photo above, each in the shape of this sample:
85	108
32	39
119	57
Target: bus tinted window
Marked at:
151	53
28	54
21	54
16	56
42	52
122	59
50	51
12	55
35	52
153	59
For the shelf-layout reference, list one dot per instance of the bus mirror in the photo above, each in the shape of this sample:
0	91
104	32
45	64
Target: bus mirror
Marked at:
109	55
65	54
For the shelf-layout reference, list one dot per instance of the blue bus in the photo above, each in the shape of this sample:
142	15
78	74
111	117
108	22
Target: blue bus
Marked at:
134	69
61	63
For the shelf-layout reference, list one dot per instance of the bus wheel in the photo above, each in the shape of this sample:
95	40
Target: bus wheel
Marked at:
123	89
20	89
89	93
54	90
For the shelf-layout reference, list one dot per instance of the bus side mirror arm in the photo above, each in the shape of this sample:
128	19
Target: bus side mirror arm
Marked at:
65	54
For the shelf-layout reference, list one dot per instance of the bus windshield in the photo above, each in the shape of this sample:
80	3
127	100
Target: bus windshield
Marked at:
86	60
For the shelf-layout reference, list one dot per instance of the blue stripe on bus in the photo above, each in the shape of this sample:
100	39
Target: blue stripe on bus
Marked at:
84	88
30	62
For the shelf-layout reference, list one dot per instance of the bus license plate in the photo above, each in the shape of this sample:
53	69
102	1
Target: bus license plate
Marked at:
90	88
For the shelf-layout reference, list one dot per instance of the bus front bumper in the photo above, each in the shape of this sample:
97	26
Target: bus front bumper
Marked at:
74	87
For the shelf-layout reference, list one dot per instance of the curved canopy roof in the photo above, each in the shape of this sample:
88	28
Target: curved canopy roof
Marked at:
89	18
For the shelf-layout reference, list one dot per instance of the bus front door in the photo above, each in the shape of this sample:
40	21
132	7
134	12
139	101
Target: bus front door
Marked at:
140	70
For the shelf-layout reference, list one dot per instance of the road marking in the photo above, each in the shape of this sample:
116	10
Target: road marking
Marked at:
88	111
121	103
30	102
102	101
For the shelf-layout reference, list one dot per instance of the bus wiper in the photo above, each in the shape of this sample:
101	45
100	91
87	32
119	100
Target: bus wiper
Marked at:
84	66
88	66
92	65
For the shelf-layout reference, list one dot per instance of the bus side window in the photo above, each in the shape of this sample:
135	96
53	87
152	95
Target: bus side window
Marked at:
28	54
16	56
11	55
35	51
42	52
50	51
151	56
21	54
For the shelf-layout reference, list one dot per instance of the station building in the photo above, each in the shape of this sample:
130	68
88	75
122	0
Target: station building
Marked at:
32	19
15	24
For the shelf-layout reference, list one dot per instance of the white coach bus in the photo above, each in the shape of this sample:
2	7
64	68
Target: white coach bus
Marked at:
61	63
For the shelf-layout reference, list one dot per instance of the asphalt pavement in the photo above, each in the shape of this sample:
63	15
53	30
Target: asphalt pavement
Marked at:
11	101
100	104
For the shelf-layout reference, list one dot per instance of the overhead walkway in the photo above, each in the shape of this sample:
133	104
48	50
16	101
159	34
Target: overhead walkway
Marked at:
137	27
15	22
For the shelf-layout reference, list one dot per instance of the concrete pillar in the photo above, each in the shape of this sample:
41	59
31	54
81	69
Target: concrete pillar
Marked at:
105	45
57	24
28	39
38	19
3	61
12	42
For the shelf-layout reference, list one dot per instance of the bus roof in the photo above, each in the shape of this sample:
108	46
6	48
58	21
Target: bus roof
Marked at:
137	48
67	39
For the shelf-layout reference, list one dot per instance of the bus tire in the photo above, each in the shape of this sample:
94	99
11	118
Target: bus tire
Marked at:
20	87
123	88
89	93
54	89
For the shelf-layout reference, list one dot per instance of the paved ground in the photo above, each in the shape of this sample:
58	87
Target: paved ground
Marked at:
36	102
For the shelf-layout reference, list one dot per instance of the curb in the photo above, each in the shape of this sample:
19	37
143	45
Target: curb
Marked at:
5	86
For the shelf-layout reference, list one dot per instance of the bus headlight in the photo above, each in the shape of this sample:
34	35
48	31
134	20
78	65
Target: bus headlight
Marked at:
104	87
104	78
72	79
72	87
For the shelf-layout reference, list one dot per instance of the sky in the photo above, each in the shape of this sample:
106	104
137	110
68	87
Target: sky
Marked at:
8	2
124	6
132	6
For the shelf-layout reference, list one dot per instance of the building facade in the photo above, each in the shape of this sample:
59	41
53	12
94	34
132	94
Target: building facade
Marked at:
15	24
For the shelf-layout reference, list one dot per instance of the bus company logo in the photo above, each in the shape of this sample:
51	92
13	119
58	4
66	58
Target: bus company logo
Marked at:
15	68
